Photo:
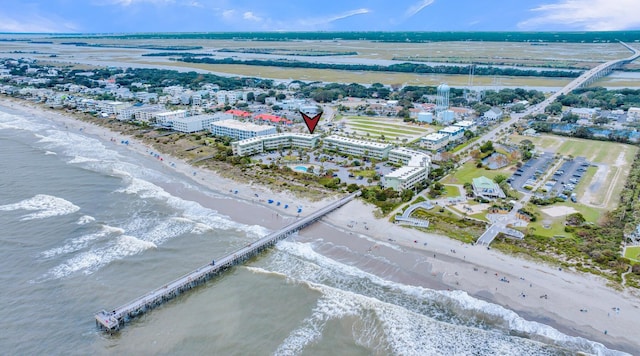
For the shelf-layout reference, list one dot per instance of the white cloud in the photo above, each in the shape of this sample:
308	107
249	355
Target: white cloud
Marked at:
417	7
229	14
346	14
590	15
321	22
35	23
248	15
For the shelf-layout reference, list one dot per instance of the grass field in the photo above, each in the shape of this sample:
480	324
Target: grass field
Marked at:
594	151
451	191
590	214
468	171
632	253
392	129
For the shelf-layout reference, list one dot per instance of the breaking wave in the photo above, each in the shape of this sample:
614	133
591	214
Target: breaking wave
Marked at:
43	206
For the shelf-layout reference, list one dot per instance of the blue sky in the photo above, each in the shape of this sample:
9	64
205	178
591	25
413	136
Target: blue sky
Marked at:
305	15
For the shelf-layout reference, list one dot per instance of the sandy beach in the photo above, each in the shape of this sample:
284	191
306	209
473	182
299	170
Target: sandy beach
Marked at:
574	303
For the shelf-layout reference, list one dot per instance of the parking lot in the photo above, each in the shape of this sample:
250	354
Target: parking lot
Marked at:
567	177
530	172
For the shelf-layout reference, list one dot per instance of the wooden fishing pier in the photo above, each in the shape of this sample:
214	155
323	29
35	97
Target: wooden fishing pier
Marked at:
112	321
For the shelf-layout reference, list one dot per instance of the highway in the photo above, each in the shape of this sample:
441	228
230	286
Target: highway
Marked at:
583	79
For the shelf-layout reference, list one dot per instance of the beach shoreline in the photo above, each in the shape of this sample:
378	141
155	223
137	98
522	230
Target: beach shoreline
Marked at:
576	304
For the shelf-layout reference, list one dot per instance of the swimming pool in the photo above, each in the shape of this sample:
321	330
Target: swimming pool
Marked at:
300	168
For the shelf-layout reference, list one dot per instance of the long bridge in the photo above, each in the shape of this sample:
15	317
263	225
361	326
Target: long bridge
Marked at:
112	321
583	80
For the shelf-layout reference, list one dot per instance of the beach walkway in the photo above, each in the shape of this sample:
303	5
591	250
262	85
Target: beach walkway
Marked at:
113	320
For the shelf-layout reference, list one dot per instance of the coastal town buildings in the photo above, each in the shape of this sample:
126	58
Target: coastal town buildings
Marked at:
240	130
584	113
493	114
455	133
358	148
435	141
195	123
414	171
165	118
486	188
467	125
406	177
259	144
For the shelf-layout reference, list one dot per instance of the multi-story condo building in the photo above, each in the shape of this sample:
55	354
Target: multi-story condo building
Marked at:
167	117
415	169
359	148
455	132
240	130
193	123
406	156
435	141
406	177
261	144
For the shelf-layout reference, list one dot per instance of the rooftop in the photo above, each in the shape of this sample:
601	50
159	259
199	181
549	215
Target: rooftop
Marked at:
464	123
483	183
247	126
435	136
236	112
278	135
451	129
404	172
358	142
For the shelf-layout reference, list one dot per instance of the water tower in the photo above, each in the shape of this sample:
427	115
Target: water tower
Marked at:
442	99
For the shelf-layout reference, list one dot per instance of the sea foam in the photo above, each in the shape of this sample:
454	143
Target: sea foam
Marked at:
402	309
90	261
82	242
44	206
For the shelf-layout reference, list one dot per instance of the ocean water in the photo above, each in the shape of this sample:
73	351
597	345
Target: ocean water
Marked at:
88	224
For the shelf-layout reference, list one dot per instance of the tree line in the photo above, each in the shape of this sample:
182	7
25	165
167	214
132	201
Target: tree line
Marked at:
399	68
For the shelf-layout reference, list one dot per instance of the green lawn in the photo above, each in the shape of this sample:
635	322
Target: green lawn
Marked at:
378	123
468	171
593	150
632	253
386	129
369	173
451	191
556	228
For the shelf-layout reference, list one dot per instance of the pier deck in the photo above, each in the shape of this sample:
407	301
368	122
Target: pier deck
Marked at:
112	321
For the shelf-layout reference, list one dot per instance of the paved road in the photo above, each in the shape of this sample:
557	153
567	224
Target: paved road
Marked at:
539	108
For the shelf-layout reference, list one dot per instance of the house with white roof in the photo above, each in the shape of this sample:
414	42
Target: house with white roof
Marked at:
455	133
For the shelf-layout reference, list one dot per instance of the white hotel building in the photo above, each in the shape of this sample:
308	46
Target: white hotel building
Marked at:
415	170
240	130
261	144
165	118
435	141
193	123
358	148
